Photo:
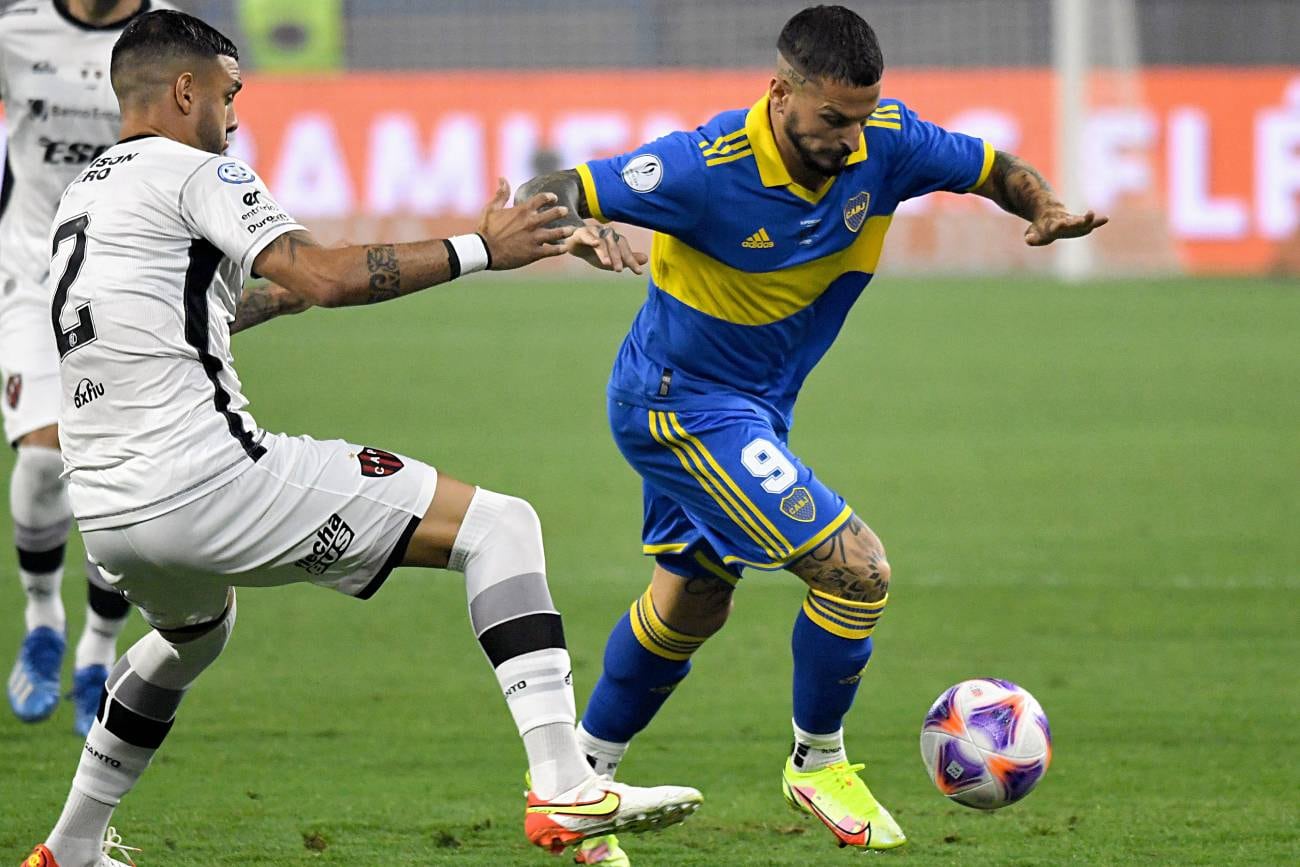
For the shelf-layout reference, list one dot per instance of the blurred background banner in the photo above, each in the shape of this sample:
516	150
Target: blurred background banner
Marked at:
1178	118
293	35
1201	173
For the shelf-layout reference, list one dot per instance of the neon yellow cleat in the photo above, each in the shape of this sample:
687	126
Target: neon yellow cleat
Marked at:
837	796
601	850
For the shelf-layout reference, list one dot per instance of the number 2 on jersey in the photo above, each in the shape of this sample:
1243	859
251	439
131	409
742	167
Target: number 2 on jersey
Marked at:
75	336
765	461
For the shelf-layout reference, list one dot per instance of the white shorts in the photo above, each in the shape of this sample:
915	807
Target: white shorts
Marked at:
29	362
326	512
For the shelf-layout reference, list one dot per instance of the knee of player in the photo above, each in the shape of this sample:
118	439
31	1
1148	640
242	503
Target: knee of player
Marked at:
709	621
879	581
497	526
519	517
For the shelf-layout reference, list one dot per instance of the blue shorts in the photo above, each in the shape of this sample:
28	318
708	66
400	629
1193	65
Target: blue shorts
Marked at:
722	490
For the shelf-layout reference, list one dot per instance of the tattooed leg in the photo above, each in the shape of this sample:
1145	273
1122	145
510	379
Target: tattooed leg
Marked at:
850	565
848	577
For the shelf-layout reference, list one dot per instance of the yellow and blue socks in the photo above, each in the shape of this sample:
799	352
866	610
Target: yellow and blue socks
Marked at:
645	659
831	645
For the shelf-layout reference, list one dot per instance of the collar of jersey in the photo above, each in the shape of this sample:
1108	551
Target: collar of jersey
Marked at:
771	168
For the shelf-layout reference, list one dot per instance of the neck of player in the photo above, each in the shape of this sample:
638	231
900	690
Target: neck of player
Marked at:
100	13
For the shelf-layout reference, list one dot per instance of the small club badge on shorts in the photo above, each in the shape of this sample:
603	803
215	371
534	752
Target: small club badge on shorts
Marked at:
14	389
377	462
799	505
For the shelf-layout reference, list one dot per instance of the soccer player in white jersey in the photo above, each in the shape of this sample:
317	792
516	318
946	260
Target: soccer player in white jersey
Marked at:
61	114
180	496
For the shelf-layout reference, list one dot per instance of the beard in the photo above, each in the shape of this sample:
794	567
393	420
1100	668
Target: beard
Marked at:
212	135
825	162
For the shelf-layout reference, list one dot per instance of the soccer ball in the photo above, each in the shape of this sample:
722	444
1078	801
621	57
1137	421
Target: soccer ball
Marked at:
986	743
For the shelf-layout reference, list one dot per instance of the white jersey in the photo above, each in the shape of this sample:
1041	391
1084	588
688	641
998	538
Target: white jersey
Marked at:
152	243
60	113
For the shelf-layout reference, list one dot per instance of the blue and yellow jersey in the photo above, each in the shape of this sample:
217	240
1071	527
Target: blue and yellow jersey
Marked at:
752	275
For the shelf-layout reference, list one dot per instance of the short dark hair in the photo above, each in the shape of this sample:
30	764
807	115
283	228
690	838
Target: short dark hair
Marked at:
164	33
832	42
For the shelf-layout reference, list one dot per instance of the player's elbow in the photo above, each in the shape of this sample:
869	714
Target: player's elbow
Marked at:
318	282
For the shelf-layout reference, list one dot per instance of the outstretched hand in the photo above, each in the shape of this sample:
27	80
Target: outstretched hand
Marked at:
523	234
602	247
1057	224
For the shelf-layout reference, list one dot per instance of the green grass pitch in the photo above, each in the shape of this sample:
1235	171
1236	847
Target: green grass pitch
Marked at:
1091	490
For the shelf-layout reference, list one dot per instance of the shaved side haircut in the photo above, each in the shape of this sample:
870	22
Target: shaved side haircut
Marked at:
153	42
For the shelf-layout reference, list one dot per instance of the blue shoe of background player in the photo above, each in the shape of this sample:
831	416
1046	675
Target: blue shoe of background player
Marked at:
87	690
34	683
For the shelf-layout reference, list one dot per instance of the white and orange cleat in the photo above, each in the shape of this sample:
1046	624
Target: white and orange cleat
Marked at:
601	806
42	857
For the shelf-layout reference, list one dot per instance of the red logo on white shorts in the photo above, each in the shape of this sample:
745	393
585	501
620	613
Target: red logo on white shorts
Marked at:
377	462
14	389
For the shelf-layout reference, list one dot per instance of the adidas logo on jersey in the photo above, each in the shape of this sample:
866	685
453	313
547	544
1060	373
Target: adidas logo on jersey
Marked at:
758	241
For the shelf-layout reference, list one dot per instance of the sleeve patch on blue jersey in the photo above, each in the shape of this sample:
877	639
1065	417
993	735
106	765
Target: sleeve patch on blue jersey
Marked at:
644	173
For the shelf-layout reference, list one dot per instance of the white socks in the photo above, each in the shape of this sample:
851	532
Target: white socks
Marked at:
603	756
98	644
814	752
499	548
44	605
78	836
554	762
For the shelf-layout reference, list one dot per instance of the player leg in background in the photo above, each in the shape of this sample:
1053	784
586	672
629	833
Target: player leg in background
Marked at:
848	580
42	518
106	614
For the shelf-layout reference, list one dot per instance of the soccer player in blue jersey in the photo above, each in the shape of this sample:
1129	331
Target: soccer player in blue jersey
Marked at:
768	224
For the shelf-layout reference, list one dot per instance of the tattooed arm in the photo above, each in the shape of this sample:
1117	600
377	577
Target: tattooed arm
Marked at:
367	274
263	301
1017	187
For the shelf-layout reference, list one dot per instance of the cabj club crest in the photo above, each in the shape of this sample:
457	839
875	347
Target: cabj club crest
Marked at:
855	211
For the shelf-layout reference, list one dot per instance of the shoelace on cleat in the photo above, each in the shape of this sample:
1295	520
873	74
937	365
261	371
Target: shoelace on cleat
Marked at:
848	779
112	841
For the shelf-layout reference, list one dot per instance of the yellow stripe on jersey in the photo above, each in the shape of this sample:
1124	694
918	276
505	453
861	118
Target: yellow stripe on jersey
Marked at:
722	140
987	168
717	161
822	535
714	569
783	544
887	111
666	548
757	297
658	637
691	463
699	468
887	124
589	189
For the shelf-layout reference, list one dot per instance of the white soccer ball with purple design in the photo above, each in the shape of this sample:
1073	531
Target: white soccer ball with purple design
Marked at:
986	743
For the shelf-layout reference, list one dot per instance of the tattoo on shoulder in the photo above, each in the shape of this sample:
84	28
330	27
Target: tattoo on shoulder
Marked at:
385	274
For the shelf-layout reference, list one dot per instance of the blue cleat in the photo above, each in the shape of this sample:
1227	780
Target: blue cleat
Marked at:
87	691
34	683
